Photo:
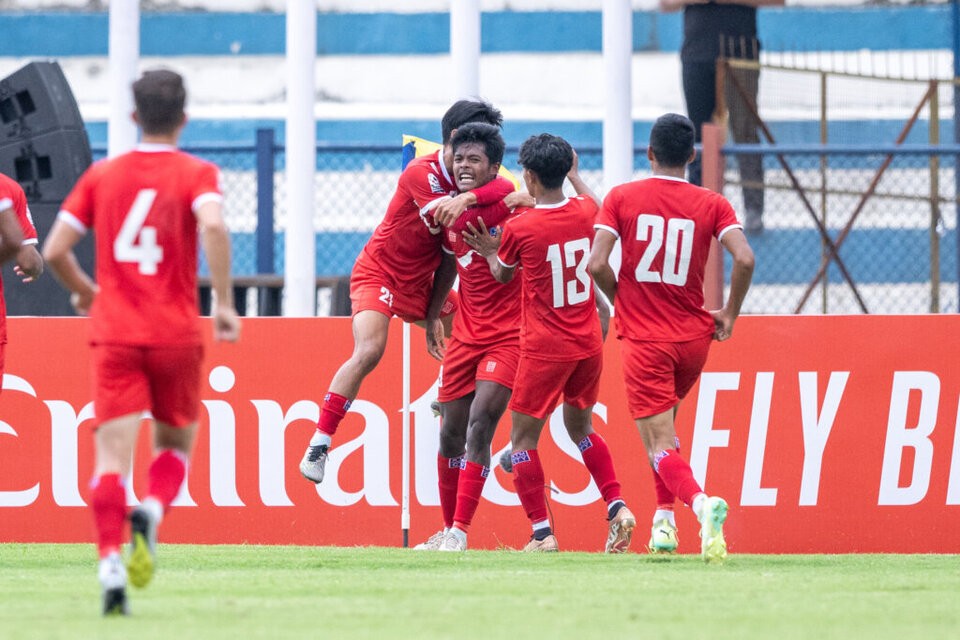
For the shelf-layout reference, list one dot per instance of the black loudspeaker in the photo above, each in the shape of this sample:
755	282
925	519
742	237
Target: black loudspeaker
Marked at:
44	147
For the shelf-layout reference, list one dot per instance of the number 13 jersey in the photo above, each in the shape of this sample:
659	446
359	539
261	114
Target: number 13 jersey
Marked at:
142	208
665	226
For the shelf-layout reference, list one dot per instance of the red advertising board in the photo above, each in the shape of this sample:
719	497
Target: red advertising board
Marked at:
825	434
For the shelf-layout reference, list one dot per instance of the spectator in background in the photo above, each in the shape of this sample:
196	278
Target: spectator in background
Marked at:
712	30
145	208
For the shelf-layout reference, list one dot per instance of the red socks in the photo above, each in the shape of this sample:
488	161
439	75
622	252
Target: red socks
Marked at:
472	478
597	459
108	501
448	474
332	411
528	481
166	475
677	476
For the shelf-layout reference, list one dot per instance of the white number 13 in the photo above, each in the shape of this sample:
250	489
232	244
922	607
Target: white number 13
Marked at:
135	242
573	291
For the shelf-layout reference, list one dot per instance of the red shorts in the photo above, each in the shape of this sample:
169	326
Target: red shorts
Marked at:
658	375
541	382
371	291
465	364
130	379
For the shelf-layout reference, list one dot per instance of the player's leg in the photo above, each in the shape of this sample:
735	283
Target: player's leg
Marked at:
699	91
580	393
489	403
370	329
743	126
528	479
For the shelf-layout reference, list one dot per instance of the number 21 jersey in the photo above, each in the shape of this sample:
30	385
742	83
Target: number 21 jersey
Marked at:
141	206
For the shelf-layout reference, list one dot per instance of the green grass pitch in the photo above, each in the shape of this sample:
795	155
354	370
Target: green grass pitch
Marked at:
240	592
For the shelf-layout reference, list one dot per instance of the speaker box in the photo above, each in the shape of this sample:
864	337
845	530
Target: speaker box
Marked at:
48	165
34	100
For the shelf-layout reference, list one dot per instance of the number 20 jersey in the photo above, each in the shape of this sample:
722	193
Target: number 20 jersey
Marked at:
665	226
141	206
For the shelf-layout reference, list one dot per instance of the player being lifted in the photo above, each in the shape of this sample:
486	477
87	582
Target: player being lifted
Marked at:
399	272
482	354
665	226
561	346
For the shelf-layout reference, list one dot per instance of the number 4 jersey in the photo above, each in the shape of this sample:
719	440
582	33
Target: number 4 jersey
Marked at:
550	244
665	226
141	206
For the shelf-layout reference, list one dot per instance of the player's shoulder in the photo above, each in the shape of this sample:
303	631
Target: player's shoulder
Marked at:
9	188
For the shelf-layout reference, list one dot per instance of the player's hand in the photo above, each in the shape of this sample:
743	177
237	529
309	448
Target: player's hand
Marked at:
723	325
23	275
484	241
83	300
226	324
575	167
519	199
450	209
436	340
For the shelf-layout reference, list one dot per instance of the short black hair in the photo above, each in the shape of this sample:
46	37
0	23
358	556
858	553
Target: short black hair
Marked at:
483	134
464	111
159	96
671	139
548	156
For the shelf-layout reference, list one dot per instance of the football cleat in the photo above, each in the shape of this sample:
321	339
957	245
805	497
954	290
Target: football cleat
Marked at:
453	542
433	542
548	544
143	547
435	408
663	538
113	585
713	547
314	462
621	528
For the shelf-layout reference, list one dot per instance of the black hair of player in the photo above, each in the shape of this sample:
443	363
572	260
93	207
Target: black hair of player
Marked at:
671	140
486	135
548	156
159	96
464	111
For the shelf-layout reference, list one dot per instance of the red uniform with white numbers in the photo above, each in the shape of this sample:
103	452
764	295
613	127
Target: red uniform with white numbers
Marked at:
560	339
142	208
485	343
12	197
394	272
666	226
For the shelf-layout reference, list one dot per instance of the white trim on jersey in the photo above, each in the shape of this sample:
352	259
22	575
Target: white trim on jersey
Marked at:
72	221
204	198
603	227
6	203
725	229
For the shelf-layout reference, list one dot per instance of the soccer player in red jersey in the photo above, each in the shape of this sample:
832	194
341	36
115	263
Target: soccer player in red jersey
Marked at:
399	272
18	239
481	359
665	226
144	208
561	345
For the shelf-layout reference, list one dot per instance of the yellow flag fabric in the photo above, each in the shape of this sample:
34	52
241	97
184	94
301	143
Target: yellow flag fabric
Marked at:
414	147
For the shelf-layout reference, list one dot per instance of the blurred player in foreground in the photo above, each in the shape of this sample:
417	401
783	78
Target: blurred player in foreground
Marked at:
561	345
144	208
666	226
482	355
18	239
399	272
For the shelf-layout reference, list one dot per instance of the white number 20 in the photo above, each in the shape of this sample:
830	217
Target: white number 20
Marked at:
575	254
677	249
136	242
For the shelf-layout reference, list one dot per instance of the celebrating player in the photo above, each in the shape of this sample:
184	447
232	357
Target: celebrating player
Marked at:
482	355
399	272
561	346
144	207
666	226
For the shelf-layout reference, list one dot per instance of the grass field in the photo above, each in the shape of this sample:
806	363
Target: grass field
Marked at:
239	592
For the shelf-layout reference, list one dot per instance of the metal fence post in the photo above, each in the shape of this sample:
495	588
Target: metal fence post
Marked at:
268	298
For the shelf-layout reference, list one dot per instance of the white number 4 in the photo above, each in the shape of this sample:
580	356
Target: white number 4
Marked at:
135	242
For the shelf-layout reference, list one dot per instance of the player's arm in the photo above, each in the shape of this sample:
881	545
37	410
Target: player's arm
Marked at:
58	253
29	264
486	244
10	234
735	242
215	238
443	279
448	211
577	182
599	263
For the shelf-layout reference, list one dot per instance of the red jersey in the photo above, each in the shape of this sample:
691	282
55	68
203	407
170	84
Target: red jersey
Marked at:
665	226
405	246
13	197
551	246
141	206
489	311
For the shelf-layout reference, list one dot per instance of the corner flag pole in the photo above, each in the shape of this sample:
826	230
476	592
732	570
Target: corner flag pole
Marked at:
405	461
